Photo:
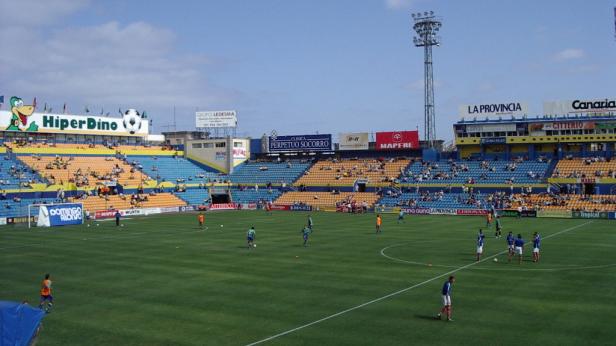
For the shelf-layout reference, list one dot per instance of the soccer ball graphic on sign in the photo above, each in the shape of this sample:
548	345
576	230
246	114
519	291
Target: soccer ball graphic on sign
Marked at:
131	121
397	137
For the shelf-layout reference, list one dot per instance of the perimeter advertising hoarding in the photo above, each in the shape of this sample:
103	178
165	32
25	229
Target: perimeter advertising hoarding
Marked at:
565	214
397	140
216	119
353	141
300	143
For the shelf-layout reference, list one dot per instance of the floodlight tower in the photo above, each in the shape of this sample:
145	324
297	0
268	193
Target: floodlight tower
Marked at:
427	26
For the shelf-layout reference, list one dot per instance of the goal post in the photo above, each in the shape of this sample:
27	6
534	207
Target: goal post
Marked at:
55	214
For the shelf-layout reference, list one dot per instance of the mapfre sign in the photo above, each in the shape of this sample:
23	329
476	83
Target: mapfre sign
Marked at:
397	140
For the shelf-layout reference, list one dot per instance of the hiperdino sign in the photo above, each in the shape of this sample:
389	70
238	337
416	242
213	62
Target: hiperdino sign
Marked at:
130	124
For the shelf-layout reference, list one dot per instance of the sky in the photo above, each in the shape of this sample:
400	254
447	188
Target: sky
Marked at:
302	67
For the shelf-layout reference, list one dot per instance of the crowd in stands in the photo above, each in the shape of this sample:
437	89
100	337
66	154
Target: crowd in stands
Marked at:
597	166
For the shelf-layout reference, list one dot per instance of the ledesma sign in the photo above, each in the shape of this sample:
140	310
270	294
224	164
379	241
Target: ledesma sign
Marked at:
23	118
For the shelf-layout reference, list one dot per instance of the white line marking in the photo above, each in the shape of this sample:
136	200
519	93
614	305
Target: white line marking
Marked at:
400	291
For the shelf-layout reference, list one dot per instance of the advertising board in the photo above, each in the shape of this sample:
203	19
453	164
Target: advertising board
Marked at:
397	140
300	143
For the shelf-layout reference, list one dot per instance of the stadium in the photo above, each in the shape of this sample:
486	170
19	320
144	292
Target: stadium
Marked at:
144	234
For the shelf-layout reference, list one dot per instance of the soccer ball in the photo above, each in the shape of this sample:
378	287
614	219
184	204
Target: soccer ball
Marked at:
221	226
495	259
131	121
122	225
254	245
88	225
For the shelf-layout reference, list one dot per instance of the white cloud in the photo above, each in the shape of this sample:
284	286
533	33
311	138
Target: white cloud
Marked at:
569	54
109	65
37	12
398	4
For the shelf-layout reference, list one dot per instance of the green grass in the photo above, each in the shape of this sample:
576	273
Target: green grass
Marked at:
162	281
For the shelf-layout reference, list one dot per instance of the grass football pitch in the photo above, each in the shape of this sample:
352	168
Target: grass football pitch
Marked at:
163	281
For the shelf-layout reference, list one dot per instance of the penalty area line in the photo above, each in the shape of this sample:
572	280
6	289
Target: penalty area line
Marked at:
376	300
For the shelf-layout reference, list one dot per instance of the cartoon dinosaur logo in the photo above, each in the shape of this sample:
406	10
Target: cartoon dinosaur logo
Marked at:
20	114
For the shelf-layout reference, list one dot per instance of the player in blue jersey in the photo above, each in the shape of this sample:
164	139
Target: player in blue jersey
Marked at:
536	246
446	293
510	246
480	238
519	247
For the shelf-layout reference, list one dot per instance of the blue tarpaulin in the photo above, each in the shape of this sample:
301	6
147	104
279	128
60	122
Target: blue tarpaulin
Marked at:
18	323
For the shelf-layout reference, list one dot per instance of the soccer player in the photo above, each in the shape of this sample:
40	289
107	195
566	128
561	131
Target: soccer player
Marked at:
306	232
401	216
488	220
446	292
46	296
379	221
310	223
251	237
498	227
519	247
536	246
480	238
510	247
117	217
201	219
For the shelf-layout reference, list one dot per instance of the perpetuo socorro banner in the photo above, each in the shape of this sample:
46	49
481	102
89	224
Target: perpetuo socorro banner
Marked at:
353	141
397	140
60	215
300	143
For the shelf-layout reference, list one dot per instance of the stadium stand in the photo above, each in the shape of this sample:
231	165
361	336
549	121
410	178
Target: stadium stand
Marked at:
15	174
19	207
194	196
347	171
174	169
84	170
269	172
326	199
436	200
476	172
566	202
585	168
101	202
254	196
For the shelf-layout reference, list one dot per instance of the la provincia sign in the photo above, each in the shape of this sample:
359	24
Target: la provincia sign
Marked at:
580	106
493	109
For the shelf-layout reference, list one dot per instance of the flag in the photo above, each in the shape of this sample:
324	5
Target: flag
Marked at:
64	109
50	109
101	111
107	114
34	103
1	99
120	111
87	110
45	108
144	115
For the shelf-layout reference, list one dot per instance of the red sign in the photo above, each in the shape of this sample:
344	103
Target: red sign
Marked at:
223	206
471	212
104	214
281	207
397	140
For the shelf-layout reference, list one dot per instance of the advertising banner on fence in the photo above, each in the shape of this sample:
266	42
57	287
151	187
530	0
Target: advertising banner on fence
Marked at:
565	214
2	221
300	208
280	207
353	141
60	215
300	143
493	109
416	211
471	212
223	206
580	106
514	213
216	119
397	140
104	214
493	140
589	214
443	211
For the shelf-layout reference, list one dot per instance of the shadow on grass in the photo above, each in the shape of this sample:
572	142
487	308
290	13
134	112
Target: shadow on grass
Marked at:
426	317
